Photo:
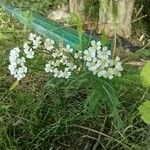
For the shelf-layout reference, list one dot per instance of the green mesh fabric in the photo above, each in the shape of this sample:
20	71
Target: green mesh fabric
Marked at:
49	28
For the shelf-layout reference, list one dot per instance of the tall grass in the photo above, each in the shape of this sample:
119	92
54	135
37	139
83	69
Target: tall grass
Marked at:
45	113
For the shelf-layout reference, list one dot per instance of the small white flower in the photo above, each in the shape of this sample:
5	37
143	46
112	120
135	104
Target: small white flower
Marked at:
68	48
93	43
98	60
14	54
32	36
60	65
104	73
55	54
108	53
36	40
12	69
17	64
26	47
78	55
48	67
30	54
92	52
49	44
104	49
67	75
111	62
118	64
117	59
87	56
110	73
96	45
28	51
56	72
20	60
36	43
99	43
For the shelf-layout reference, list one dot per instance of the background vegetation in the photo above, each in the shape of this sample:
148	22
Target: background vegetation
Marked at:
43	113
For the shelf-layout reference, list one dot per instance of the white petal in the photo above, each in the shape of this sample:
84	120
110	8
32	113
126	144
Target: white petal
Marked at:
104	48
99	43
93	43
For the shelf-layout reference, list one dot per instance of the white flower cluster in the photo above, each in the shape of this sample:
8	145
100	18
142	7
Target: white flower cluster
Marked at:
98	60
17	64
28	51
49	44
36	40
78	55
60	65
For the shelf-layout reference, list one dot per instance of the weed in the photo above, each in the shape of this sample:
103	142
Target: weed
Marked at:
47	113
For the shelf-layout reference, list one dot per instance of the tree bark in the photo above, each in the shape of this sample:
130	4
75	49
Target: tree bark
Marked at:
59	14
77	7
122	24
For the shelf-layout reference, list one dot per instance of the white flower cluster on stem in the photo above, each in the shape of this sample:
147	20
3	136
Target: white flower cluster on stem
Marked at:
49	44
61	65
28	51
17	64
98	60
36	40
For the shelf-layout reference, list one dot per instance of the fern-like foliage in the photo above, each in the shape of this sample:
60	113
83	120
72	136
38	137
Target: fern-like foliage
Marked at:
102	94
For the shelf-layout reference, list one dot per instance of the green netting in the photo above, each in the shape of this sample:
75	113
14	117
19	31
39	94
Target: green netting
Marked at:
48	28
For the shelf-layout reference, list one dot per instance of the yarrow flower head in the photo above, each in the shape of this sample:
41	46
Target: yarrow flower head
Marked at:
33	43
78	55
49	44
36	40
98	60
17	64
28	51
61	66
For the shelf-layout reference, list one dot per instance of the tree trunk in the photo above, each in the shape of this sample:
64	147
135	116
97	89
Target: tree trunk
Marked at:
59	14
77	7
122	24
